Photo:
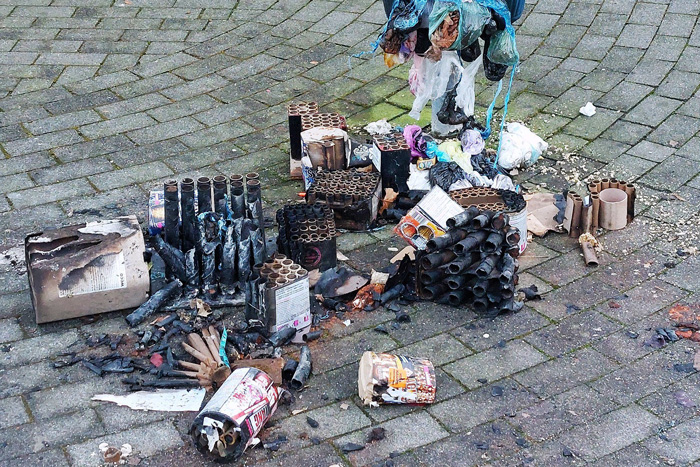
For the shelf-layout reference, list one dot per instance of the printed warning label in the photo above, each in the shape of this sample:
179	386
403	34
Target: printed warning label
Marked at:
107	273
293	306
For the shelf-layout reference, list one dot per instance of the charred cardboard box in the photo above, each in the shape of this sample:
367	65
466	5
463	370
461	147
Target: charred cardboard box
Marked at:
87	269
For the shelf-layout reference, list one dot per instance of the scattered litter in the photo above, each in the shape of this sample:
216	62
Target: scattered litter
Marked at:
381	329
631	334
114	455
391	379
298	411
376	434
352	447
165	400
531	293
347	322
312	423
588	110
684	367
571	308
380	127
344	406
340	256
497	391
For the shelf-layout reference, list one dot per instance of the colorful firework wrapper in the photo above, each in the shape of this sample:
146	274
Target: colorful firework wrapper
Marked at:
395	379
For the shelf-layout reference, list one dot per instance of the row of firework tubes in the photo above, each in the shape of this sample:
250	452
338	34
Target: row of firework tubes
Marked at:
343	187
473	263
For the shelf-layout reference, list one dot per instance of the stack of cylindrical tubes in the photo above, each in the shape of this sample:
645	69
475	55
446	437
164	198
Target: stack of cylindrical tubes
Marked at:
307	235
212	244
489	199
329	120
353	196
295	113
474	263
597	186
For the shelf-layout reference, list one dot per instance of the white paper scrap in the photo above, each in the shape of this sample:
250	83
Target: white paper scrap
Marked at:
164	400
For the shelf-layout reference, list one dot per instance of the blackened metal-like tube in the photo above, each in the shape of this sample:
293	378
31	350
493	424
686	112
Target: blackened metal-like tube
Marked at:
301	375
207	250
431	292
174	258
432	276
192	270
157	272
280	338
253	191
204	195
480	288
457	282
244	250
456	297
445	241
512	236
237	200
392	293
290	366
499	220
507	269
172	213
312	336
480	304
257	243
484	269
482	220
227	277
156	302
219	194
433	260
471	242
189	221
463	218
460	265
492	242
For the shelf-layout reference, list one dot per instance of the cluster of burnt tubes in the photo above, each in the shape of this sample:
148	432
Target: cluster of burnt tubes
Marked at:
474	263
210	245
307	235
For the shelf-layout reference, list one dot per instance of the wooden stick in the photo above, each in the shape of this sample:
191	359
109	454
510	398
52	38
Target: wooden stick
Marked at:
198	343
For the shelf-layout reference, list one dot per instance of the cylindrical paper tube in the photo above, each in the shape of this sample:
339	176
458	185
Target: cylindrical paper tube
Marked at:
604	184
614	183
631	197
587	218
595	208
576	216
393	379
589	254
613	209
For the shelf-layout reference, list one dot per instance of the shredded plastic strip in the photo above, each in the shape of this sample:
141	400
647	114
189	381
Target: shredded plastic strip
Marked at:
222	348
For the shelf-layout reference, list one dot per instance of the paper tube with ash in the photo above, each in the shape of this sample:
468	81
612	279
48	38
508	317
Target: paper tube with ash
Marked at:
394	379
232	419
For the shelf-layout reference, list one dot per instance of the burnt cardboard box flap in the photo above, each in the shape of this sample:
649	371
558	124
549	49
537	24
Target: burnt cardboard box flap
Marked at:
87	269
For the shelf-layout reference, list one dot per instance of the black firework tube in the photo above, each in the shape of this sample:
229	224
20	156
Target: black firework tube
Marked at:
189	221
460	265
482	220
463	218
432	276
431	292
253	306
204	195
392	293
155	303
290	366
227	277
301	375
499	220
257	244
456	297
280	338
434	260
207	251
193	283
220	194
172	213
157	272
480	304
480	288
312	336
237	198
512	236
484	269
174	258
472	241
252	189
507	269
446	240
458	282
492	242
244	253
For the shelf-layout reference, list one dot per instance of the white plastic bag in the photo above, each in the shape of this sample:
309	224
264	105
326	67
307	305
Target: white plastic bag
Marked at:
465	91
520	147
432	79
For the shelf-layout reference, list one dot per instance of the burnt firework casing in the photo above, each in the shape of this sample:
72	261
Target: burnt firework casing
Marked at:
392	157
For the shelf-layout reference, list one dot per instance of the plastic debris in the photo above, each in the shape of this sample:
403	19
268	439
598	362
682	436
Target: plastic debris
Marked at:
588	110
380	127
520	147
391	379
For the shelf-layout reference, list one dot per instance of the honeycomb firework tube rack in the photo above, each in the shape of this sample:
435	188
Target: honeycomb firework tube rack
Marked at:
295	112
394	160
307	235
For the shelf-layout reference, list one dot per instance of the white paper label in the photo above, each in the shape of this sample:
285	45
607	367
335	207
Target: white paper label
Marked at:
293	306
109	274
376	156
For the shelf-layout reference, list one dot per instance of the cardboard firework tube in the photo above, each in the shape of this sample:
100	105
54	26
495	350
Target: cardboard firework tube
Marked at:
575	230
395	379
444	241
173	257
189	226
471	242
463	218
431	292
587	218
589	254
433	260
237	199
290	366
614	183
604	184
155	303
613	209
622	185
172	213
203	194
303	371
234	416
595	210
631	197
594	186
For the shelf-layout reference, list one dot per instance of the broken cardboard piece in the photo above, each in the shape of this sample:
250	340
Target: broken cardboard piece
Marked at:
87	269
541	213
393	379
164	400
428	219
271	366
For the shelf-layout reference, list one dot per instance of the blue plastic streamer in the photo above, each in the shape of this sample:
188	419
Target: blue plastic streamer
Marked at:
222	348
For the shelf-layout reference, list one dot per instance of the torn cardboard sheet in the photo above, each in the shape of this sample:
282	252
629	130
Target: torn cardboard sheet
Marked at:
541	213
164	400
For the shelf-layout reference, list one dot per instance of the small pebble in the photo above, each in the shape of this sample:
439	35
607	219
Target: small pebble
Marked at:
312	423
497	391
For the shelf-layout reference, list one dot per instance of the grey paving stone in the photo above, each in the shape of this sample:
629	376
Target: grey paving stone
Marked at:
10	331
682	275
636	35
146	441
672	172
663	403
483	334
680	447
15	182
38	143
476	407
603	435
36	349
167	130
666	48
47	194
13	412
622	59
130	175
556	303
653	110
604	150
691	149
573	332
132	106
494	364
149	153
675	128
652	151
96	147
116	125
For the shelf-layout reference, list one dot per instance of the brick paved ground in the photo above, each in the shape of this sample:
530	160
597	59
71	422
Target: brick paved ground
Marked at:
103	99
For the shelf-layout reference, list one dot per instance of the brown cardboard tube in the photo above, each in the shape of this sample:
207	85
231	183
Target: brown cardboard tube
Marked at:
594	188
631	197
568	213
576	217
613	209
589	254
614	183
604	184
587	218
622	186
595	210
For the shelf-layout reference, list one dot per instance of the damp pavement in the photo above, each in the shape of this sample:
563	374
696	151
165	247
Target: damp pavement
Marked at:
102	100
